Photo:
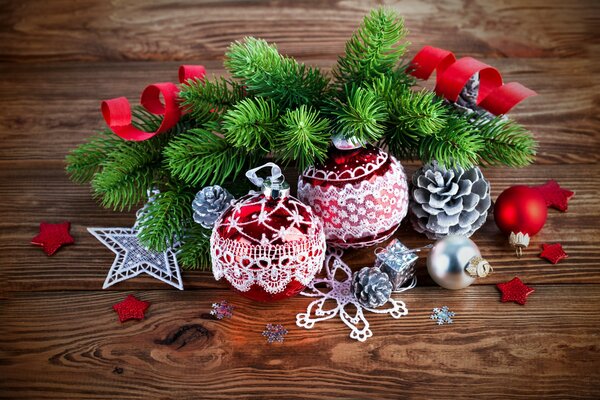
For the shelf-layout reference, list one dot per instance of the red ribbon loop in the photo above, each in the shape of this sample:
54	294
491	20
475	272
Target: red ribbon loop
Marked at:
117	112
453	74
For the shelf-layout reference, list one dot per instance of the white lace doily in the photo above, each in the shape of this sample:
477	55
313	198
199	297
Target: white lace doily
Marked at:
329	289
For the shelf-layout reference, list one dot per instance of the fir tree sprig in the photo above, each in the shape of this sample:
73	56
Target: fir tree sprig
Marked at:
505	142
206	99
361	115
252	124
84	161
194	252
266	73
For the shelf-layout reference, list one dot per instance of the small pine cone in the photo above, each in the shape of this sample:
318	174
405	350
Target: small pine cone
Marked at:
448	201
371	287
209	203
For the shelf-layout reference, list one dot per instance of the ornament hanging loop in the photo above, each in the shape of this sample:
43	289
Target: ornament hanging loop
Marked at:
273	186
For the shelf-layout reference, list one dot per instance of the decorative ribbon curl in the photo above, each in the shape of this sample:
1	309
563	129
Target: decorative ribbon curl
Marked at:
452	76
117	112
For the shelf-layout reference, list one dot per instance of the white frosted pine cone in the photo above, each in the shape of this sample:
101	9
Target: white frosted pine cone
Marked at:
448	201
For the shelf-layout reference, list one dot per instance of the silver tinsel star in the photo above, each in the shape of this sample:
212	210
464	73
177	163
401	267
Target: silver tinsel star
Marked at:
133	259
442	315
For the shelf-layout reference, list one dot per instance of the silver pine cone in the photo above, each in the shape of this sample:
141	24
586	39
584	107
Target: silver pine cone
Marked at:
371	287
448	201
209	204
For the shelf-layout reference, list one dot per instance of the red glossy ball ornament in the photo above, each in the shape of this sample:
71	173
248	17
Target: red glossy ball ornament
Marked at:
360	193
521	212
268	245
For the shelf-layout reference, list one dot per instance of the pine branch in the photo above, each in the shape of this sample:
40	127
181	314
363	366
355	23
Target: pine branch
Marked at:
268	74
304	137
362	114
86	160
202	157
121	190
206	100
374	50
505	142
166	218
457	144
194	252
251	124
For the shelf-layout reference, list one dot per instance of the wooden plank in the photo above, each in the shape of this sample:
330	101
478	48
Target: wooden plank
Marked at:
71	345
62	30
40	191
48	109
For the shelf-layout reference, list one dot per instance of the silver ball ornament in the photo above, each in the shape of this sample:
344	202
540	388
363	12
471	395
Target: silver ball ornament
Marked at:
455	262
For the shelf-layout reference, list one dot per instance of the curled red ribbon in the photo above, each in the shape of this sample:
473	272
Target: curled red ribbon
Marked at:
117	112
452	76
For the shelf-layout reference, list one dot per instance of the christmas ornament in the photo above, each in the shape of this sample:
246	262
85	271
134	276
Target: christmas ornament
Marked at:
131	308
521	212
360	194
397	262
133	259
209	204
53	236
555	196
514	290
448	201
442	315
275	333
222	310
371	287
337	290
455	262
553	252
268	245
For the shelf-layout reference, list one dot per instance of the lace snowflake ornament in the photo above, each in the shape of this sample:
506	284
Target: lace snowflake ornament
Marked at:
133	259
351	312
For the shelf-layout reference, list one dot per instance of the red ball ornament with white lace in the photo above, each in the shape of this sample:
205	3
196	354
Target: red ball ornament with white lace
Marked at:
268	245
360	193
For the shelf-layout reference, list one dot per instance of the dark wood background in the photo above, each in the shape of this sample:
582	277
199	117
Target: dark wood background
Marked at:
59	337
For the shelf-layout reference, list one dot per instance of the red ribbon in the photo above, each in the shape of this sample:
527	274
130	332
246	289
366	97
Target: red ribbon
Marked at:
452	76
117	112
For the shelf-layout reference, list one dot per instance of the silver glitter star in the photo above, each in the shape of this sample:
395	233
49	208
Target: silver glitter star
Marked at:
133	259
442	315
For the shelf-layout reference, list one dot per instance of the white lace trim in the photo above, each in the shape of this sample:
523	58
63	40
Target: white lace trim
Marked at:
358	172
359	210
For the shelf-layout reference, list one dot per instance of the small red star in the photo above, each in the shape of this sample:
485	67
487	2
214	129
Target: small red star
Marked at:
131	308
553	252
514	290
554	195
53	236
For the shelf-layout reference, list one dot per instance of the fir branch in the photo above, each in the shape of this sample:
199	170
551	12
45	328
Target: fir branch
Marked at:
374	50
361	115
206	100
194	252
457	144
121	190
505	142
304	137
202	157
268	74
251	124
165	219
84	161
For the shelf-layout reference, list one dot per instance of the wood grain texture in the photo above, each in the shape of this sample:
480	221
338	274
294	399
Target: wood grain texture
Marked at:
73	346
60	339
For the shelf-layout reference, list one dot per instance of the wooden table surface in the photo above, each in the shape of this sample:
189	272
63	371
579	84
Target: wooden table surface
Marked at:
59	337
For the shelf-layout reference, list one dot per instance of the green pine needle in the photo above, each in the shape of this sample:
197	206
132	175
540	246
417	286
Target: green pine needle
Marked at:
505	142
361	115
194	252
266	73
206	100
166	218
203	157
121	190
251	124
84	161
304	137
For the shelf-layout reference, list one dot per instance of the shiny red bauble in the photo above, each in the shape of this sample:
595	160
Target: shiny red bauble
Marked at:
360	194
268	248
520	209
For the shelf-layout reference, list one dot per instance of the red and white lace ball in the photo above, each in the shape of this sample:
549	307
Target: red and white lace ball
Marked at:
268	248
360	194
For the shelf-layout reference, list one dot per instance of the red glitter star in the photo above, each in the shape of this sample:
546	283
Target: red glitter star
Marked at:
131	308
514	290
553	252
53	236
554	195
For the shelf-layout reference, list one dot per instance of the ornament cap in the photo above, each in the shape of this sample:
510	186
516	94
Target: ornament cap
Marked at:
478	267
519	241
346	143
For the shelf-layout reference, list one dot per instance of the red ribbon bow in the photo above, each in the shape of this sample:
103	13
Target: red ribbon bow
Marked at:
117	112
452	76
